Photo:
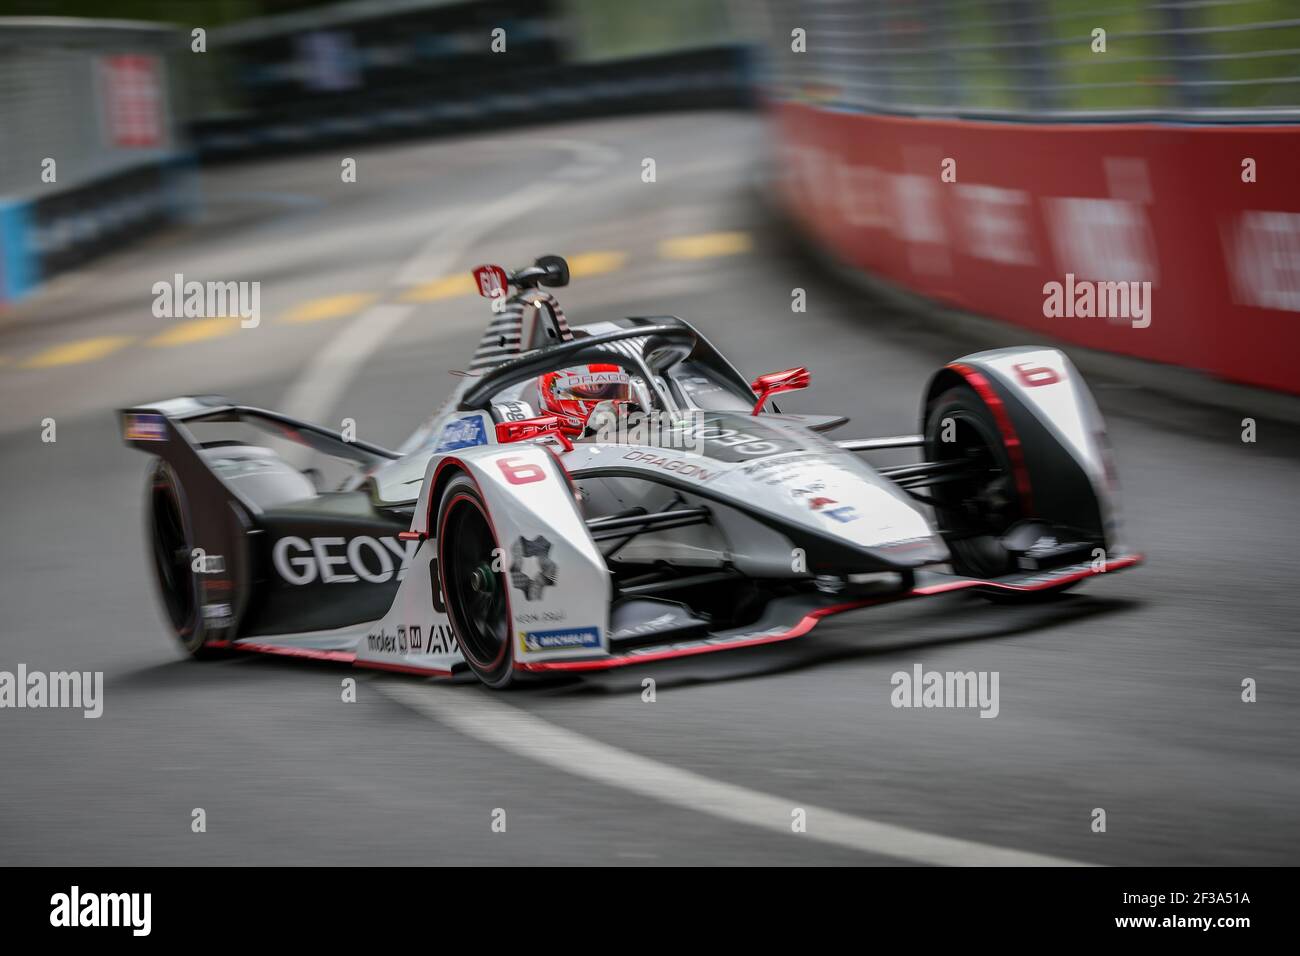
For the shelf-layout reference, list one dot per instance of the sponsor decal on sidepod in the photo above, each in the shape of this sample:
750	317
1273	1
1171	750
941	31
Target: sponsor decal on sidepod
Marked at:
409	638
336	560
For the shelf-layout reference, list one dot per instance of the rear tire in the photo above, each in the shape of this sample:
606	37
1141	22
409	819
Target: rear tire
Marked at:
167	528
475	595
978	511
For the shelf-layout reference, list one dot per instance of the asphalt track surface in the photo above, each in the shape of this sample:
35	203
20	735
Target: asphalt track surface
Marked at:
1125	695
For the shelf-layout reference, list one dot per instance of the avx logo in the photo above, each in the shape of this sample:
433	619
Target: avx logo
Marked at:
336	560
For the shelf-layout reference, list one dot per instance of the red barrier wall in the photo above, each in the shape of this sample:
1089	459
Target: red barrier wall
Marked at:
1104	202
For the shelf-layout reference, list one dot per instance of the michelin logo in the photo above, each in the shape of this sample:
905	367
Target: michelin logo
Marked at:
462	433
558	639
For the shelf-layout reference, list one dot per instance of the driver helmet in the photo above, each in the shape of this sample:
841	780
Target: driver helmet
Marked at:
574	393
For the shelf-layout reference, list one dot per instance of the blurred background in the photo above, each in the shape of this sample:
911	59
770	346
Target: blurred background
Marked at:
918	169
1137	141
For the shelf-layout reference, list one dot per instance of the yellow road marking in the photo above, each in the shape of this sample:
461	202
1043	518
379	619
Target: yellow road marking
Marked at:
186	331
594	263
83	350
330	307
448	287
706	245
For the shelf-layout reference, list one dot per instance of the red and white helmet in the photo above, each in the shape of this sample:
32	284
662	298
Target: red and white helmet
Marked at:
573	393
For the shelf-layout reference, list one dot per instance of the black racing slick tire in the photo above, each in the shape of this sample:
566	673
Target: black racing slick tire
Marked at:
976	511
167	529
473	584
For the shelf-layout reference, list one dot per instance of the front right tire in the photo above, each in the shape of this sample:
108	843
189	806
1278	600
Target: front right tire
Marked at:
978	510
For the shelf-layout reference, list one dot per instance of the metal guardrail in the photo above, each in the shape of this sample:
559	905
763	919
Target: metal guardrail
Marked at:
1041	59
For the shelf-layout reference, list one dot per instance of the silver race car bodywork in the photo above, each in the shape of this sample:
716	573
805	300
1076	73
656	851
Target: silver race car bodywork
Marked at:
704	525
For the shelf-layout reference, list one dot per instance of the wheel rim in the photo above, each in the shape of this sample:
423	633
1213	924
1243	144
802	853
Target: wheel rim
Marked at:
476	593
172	557
986	502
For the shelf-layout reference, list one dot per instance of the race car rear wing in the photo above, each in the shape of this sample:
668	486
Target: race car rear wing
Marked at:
242	505
144	424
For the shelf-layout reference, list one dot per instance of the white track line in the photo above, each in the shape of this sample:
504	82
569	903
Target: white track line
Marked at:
332	369
525	734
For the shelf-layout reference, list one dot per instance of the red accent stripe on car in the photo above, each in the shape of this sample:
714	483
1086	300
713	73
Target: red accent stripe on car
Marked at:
806	624
809	621
405	668
310	653
337	657
946	586
1009	437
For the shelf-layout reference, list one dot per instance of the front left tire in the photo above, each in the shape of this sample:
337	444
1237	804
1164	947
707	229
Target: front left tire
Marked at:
473	590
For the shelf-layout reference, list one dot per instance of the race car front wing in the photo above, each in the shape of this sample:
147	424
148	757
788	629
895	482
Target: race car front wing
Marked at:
791	617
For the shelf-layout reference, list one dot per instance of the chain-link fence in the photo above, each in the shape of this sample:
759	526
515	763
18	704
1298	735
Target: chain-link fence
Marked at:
1040	59
98	97
90	149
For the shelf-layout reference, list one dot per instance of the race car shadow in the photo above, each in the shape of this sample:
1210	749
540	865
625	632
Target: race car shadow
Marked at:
243	668
907	630
182	671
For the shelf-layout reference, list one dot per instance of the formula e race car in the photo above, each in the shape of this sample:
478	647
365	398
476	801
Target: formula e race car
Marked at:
610	494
